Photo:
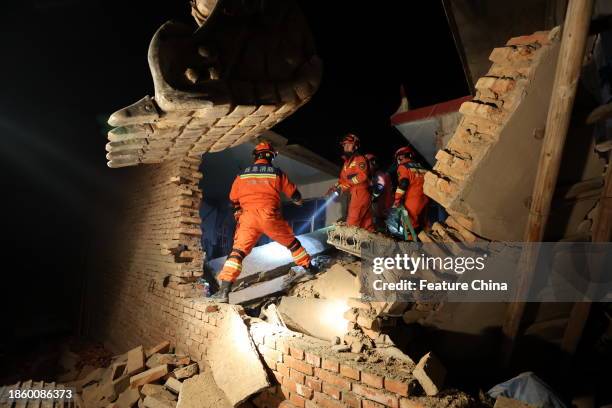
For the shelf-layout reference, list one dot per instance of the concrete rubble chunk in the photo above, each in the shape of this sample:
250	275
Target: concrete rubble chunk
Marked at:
149	376
395	354
152	401
234	360
93	376
151	389
358	304
171	359
135	361
200	391
128	398
430	373
173	385
186	372
161	348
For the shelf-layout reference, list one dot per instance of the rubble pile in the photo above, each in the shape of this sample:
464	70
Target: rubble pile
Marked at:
151	378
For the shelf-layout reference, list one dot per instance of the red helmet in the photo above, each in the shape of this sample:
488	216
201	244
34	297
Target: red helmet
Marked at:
351	138
405	152
263	148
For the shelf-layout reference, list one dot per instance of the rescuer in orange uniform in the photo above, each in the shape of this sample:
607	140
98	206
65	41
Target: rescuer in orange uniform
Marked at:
255	200
382	191
355	179
409	192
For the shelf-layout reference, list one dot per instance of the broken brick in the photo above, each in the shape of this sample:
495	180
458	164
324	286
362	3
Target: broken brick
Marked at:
148	376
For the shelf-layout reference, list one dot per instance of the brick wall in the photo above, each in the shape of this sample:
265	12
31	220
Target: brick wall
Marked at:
309	374
147	265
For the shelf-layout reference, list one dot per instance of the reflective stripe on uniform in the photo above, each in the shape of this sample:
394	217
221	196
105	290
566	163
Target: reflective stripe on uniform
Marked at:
399	191
247	176
232	264
300	254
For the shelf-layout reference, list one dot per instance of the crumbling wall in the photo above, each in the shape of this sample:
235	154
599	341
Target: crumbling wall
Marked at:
486	172
151	259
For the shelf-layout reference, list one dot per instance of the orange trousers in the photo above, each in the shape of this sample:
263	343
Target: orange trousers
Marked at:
416	205
360	209
251	225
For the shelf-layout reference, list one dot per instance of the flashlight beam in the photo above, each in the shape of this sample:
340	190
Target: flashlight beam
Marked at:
318	212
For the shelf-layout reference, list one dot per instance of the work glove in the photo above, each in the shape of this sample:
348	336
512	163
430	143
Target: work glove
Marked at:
237	214
333	190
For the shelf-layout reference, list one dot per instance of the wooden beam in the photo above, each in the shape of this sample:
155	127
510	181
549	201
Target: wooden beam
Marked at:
567	73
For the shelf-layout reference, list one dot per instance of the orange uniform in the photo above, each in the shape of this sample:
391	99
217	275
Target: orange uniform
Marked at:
355	178
409	192
255	196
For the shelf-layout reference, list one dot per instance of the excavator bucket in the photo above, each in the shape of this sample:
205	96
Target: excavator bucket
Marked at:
246	67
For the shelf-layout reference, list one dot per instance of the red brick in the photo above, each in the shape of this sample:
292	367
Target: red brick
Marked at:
540	37
297	400
313	359
349	372
314	383
372	404
283	346
331	365
283	369
211	308
400	387
331	390
296	352
299	365
373	394
283	392
270	353
270	363
351	400
324	401
297	376
331	378
373	380
289	384
304	391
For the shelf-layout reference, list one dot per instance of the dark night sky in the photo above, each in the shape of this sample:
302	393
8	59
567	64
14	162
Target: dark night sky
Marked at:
65	63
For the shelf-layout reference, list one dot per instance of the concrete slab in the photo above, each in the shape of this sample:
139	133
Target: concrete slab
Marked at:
321	318
271	256
335	283
258	291
234	360
200	391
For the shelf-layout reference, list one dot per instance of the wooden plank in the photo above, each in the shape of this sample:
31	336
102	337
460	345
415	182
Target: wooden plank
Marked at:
569	65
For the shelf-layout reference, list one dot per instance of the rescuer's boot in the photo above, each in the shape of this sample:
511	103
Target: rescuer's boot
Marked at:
312	268
222	295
